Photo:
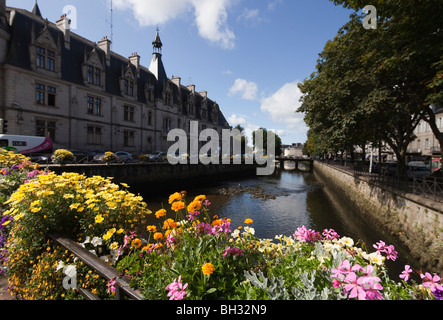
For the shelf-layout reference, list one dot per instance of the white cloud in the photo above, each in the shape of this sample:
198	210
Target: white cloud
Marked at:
210	16
282	106
247	89
250	17
234	120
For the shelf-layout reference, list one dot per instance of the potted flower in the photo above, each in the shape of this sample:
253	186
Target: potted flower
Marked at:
63	157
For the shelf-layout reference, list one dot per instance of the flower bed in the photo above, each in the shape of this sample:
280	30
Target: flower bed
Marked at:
189	254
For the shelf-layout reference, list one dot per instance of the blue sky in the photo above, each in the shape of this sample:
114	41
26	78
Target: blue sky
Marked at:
248	55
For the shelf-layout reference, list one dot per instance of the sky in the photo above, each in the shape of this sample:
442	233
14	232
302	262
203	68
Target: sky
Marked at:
249	55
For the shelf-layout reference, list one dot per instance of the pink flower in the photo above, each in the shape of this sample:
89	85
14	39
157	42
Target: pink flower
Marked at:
111	286
330	234
381	247
354	287
304	235
177	289
431	281
405	274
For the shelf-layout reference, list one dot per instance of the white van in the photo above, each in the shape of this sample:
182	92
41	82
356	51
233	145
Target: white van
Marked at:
26	144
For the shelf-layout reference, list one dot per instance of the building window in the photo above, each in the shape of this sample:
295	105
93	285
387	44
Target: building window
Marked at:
128	87
46	129
129	138
149	118
94	135
94	106
129	114
45	59
94	75
167	124
45	95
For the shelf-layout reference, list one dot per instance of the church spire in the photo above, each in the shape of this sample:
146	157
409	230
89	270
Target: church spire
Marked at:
36	10
157	43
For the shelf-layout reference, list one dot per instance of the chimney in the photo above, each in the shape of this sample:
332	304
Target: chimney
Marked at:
64	24
105	45
135	59
204	94
191	87
176	81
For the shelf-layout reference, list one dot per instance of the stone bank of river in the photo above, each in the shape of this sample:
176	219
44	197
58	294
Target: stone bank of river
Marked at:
281	203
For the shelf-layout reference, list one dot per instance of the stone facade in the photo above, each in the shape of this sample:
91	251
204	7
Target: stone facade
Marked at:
84	96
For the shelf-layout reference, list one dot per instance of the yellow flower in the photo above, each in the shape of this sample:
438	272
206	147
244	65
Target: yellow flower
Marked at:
74	206
99	219
109	234
160	213
35	210
6	223
178	205
208	269
249	221
175	197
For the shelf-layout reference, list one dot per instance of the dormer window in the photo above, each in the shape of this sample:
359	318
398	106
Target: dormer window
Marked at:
45	59
128	87
94	75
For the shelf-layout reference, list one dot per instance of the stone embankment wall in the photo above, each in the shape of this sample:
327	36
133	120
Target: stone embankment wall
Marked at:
415	221
161	176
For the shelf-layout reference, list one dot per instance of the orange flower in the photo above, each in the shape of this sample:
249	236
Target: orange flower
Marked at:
175	197
151	229
208	269
200	198
169	224
249	221
178	205
136	243
160	213
194	206
158	236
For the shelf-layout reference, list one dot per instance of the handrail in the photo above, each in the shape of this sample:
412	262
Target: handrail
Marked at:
122	283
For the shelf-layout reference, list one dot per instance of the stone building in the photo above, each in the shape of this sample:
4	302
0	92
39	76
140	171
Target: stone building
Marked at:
84	96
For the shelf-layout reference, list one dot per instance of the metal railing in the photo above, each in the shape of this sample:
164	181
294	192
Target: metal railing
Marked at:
122	283
429	187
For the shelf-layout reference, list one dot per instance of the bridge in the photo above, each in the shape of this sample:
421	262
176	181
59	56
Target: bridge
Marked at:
301	165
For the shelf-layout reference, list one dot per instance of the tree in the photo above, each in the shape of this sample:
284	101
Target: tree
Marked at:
412	59
373	85
278	142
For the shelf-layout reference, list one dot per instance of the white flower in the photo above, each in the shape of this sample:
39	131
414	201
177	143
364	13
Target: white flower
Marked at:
249	230
70	271
97	241
235	234
60	265
376	258
347	241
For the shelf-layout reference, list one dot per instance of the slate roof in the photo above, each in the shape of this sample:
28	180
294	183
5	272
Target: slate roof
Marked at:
24	23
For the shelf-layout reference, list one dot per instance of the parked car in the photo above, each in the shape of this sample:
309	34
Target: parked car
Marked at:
417	164
124	156
80	156
93	153
157	156
418	172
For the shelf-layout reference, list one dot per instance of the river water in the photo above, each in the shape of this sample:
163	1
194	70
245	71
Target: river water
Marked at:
281	203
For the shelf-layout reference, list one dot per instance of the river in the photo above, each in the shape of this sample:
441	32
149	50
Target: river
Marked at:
281	203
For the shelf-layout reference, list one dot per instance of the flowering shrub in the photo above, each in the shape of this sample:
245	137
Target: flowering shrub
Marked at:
188	253
63	156
109	157
201	257
93	211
